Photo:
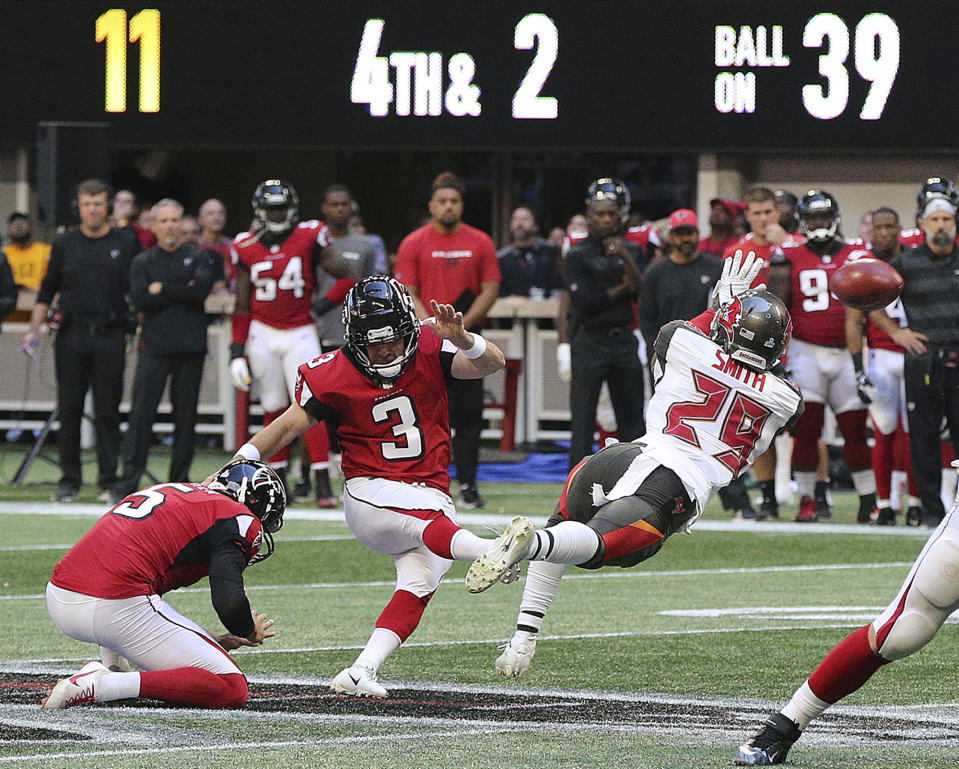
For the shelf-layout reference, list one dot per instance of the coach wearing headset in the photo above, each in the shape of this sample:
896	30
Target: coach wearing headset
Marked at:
89	270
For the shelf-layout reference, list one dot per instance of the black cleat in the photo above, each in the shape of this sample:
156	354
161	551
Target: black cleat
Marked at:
914	516
885	517
772	743
768	508
470	497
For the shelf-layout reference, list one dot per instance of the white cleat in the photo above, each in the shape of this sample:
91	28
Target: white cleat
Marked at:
77	689
511	547
358	681
517	656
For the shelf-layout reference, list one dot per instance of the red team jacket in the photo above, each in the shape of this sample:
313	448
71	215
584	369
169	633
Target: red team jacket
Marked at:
157	540
283	275
401	433
818	317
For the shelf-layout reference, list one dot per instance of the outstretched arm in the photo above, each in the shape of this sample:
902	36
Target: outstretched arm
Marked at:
476	356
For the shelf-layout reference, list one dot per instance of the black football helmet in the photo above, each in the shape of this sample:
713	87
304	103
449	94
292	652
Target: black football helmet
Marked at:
275	193
754	330
936	187
378	310
611	189
257	486
817	202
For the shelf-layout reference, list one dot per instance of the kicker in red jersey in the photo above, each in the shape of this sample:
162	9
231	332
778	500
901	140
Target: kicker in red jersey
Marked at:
401	433
283	275
149	543
818	317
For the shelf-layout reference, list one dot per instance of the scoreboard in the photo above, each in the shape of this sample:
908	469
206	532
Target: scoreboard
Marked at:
689	75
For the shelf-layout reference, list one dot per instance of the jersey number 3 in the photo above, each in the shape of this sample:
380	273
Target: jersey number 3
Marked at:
407	428
743	421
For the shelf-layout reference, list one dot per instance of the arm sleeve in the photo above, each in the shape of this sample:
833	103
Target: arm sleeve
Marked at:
447	353
339	290
312	405
204	274
586	297
227	561
8	288
139	283
50	284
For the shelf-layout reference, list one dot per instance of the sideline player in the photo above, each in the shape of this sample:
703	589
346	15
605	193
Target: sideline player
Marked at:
766	234
108	589
881	383
387	391
924	602
721	397
818	357
273	331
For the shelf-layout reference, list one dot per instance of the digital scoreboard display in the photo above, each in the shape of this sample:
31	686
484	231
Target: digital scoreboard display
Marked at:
683	76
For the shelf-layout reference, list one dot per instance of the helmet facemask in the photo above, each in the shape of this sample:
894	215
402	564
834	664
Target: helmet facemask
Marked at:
271	195
753	329
258	487
379	310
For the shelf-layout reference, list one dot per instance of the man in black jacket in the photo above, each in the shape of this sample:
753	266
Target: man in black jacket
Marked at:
169	283
90	273
602	278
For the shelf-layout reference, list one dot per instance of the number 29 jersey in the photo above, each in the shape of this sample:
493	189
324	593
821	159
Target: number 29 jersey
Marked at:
709	417
401	433
818	316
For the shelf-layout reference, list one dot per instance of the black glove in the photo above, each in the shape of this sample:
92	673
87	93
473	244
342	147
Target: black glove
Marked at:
321	306
865	388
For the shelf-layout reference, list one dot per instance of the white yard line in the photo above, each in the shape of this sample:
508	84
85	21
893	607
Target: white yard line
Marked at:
85	510
625	574
631	574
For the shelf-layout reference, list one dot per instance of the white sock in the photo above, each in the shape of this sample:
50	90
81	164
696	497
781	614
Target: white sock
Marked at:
466	546
898	489
542	581
804	706
566	542
806	483
117	686
381	645
914	501
864	481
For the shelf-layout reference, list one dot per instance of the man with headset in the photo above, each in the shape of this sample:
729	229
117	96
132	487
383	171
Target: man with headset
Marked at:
89	270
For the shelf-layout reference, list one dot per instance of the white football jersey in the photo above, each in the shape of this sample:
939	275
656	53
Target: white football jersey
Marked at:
711	417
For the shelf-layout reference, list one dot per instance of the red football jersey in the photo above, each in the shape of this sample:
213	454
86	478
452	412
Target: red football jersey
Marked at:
716	247
818	316
645	236
401	433
283	274
153	542
748	244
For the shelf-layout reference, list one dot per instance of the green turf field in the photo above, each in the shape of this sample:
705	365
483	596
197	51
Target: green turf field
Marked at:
670	664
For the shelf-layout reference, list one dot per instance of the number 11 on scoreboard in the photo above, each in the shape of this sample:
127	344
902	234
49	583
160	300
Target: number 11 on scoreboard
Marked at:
144	27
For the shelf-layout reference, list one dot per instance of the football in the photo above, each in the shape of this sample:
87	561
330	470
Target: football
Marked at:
866	284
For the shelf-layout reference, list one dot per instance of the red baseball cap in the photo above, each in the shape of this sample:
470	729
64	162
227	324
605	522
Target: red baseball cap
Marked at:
683	217
734	207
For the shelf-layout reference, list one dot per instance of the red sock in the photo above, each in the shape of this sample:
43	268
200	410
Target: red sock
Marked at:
852	425
807	431
847	667
438	535
948	454
317	440
195	686
403	613
882	462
